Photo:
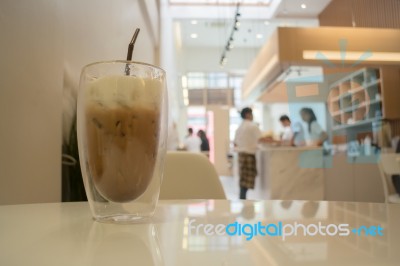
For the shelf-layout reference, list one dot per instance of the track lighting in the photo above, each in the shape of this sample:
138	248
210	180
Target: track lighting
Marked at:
229	43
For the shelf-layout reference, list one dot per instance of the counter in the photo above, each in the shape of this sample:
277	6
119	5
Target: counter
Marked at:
290	173
353	178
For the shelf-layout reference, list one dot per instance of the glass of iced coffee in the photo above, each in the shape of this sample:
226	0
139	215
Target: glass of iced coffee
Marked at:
122	120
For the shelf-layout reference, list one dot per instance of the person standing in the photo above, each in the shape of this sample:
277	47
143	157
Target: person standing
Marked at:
246	141
205	145
316	135
192	142
293	134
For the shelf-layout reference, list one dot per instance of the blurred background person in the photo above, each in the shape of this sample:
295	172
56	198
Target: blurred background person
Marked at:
316	135
293	133
287	136
246	141
192	142
205	145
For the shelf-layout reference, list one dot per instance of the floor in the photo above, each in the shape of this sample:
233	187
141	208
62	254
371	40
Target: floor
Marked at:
231	188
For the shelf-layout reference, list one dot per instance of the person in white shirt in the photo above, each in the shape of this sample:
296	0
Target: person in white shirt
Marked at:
246	141
293	134
287	136
316	135
192	142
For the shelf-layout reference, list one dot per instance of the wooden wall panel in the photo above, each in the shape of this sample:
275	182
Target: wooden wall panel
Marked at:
366	13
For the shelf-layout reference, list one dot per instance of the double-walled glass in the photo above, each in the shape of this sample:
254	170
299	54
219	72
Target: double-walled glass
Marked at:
122	122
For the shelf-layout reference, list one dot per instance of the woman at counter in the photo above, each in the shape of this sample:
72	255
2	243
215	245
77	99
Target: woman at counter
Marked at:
316	135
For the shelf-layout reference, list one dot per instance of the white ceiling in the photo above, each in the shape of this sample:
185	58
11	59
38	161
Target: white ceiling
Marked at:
292	8
250	33
266	9
214	23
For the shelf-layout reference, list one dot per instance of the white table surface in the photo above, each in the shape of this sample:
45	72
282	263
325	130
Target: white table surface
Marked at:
65	234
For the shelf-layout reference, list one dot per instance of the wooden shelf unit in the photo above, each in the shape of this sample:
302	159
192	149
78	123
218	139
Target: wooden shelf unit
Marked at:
365	96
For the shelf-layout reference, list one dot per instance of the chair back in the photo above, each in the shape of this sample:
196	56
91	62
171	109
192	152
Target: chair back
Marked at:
190	176
389	165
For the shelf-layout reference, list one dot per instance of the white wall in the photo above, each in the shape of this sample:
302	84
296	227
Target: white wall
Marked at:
169	64
104	32
30	101
221	138
208	58
40	40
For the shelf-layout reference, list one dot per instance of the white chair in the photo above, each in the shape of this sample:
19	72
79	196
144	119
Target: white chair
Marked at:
190	176
389	165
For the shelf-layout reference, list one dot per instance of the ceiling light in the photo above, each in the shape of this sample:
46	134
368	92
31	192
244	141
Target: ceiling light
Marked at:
266	22
193	22
223	60
231	46
237	23
259	36
303	6
193	35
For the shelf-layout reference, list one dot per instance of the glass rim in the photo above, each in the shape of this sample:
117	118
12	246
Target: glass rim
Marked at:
124	62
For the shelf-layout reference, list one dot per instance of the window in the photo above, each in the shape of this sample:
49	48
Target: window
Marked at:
218	80
213	88
196	80
235	82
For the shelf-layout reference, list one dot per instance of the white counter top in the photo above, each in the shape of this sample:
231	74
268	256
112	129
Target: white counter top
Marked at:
288	148
64	234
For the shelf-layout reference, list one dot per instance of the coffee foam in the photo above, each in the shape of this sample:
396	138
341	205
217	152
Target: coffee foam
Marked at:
127	91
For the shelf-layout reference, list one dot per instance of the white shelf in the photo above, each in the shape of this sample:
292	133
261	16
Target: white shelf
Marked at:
356	124
353	95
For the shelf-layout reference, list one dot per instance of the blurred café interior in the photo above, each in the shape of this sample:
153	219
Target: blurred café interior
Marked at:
290	104
327	65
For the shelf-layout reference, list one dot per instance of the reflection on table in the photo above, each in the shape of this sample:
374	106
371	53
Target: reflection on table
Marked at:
65	234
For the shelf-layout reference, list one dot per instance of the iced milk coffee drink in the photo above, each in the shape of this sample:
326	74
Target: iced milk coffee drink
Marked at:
122	121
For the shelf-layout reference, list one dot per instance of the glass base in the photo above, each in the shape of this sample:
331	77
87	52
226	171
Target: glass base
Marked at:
122	219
